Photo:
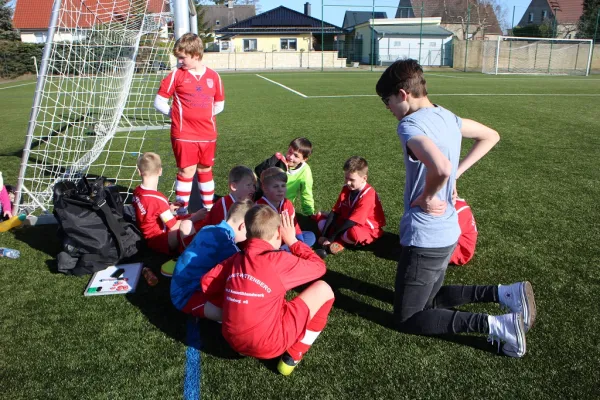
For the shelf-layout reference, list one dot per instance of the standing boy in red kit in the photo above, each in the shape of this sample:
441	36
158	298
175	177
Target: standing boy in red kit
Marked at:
198	97
257	319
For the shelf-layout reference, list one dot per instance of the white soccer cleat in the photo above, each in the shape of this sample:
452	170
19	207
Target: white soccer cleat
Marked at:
508	328
518	298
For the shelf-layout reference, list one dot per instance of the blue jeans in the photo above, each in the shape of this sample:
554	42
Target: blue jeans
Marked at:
306	237
423	306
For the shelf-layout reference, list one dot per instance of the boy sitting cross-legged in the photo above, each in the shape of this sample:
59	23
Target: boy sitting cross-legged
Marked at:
273	181
300	180
357	217
242	186
212	245
257	319
164	233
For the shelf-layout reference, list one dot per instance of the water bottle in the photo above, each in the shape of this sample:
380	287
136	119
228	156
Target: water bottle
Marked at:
9	253
151	279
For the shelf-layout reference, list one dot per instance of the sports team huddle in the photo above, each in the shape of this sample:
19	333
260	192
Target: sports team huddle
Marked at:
241	253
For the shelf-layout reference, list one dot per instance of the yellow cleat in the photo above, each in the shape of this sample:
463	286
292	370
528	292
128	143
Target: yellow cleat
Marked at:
168	268
286	365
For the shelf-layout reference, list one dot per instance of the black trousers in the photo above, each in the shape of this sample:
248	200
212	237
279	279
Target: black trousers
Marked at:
423	306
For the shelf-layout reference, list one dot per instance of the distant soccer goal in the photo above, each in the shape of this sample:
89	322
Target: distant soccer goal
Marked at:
522	55
93	106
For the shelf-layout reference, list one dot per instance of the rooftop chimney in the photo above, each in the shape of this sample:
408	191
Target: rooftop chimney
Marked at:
307	9
230	4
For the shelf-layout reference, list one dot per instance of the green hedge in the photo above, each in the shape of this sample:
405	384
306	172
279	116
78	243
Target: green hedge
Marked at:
16	58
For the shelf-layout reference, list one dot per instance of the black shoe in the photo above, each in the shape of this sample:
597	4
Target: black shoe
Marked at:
321	253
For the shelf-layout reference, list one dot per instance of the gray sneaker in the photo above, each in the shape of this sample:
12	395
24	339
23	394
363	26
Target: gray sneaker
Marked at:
508	328
518	298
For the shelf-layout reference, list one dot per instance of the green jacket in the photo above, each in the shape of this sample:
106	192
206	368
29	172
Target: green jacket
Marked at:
299	185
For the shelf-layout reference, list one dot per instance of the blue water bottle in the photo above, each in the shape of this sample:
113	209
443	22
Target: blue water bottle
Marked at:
9	253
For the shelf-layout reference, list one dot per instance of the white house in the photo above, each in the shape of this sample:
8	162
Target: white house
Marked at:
397	38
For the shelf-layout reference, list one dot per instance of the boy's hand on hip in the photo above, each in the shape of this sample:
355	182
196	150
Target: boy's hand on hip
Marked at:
432	206
287	229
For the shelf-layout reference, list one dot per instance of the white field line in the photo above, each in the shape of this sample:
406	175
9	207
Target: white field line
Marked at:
463	94
283	86
14	86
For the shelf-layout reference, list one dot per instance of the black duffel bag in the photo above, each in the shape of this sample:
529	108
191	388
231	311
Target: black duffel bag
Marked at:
93	231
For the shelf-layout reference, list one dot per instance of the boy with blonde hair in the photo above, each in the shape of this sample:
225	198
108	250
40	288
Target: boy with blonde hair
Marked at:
242	186
163	232
357	217
198	98
257	319
274	185
431	140
212	245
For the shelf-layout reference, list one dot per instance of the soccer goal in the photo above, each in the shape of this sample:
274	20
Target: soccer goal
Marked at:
93	109
523	55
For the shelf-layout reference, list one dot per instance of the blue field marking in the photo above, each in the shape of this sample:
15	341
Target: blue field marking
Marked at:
193	368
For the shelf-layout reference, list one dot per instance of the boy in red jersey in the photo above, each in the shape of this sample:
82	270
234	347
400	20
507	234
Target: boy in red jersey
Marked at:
163	232
257	319
357	217
198	98
274	185
242	186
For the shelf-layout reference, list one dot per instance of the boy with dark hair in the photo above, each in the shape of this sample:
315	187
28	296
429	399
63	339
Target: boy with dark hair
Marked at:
431	140
258	321
163	232
212	245
198	98
300	180
242	186
357	217
273	181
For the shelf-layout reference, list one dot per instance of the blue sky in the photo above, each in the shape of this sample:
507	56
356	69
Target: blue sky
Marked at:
335	15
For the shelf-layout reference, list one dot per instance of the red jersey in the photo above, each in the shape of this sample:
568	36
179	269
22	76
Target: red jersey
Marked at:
219	211
465	249
286	205
152	212
254	283
364	209
192	116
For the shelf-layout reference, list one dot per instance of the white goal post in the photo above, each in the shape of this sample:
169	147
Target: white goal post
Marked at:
526	55
93	108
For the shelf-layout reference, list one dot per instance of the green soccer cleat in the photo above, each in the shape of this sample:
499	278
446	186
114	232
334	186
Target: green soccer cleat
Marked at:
168	268
286	364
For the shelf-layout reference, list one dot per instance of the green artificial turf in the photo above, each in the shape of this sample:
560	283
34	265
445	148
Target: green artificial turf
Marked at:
534	198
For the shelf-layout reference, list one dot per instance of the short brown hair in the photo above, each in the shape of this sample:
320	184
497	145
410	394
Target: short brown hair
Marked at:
238	210
271	175
149	164
239	172
356	164
404	74
303	145
261	222
189	44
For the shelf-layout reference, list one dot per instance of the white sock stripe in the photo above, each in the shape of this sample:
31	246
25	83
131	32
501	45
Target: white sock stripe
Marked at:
183	186
310	337
183	198
207	186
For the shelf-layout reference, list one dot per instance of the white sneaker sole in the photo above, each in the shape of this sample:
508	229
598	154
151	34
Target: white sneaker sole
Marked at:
529	309
521	347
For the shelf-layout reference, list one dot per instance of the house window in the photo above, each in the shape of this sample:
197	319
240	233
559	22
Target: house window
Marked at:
249	44
544	15
530	17
288	44
225	45
217	22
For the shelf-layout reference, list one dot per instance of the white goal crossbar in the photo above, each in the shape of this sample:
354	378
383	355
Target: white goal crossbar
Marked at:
528	55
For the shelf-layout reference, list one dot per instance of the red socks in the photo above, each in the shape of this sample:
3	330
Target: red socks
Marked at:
313	329
207	188
183	190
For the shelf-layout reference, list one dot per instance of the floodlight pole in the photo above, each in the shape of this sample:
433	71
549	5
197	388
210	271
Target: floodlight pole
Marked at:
421	34
322	35
372	35
37	99
512	25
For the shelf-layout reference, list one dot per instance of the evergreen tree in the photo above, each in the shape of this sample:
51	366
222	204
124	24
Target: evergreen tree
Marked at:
588	20
5	16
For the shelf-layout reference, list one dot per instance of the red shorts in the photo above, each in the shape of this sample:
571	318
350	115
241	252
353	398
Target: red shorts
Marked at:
195	305
160	243
194	153
292	328
358	235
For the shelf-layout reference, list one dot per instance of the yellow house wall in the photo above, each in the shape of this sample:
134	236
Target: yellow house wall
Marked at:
268	43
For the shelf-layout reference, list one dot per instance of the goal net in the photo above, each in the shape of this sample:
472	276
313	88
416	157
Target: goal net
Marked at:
93	108
521	55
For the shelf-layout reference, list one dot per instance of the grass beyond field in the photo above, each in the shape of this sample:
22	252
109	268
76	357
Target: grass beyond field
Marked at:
534	198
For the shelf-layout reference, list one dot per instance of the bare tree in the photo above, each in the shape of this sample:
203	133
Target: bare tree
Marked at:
479	15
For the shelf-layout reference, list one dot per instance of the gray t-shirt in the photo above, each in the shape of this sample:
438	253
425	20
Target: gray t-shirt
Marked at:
418	228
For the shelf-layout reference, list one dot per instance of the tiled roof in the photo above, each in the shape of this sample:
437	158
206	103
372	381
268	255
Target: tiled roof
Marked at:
227	16
353	18
35	14
280	19
567	11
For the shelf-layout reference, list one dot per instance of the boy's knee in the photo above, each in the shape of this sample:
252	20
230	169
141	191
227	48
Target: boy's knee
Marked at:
324	289
186	228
